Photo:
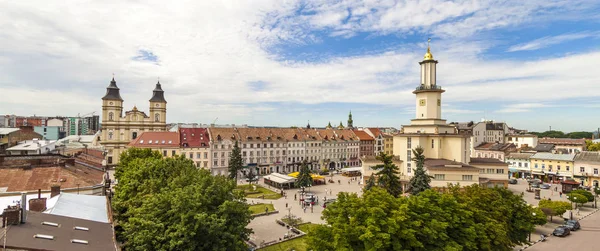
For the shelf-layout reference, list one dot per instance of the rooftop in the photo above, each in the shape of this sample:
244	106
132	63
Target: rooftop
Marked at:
554	156
88	235
375	131
31	145
194	137
519	155
5	131
489	161
561	141
80	206
34	178
156	139
362	135
588	156
543	147
496	146
448	165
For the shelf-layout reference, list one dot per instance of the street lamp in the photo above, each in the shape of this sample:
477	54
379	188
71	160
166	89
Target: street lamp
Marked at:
533	213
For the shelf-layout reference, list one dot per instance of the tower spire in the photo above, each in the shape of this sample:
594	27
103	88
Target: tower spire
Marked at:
428	55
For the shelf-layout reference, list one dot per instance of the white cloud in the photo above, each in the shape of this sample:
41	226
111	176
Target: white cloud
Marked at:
552	40
522	107
208	51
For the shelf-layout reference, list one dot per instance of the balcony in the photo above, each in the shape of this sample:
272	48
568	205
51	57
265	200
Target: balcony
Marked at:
425	88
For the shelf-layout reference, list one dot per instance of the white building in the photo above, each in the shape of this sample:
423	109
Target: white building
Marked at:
518	164
32	147
488	131
522	140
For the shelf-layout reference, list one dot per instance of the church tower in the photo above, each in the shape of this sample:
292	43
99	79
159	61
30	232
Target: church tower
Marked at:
350	121
429	94
158	105
112	107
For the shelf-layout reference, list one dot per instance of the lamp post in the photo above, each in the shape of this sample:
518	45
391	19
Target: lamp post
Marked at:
534	227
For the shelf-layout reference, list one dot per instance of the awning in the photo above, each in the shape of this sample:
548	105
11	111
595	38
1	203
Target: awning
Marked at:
314	176
280	178
352	169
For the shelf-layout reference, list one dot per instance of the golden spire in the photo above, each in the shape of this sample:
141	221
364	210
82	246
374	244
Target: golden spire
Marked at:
428	55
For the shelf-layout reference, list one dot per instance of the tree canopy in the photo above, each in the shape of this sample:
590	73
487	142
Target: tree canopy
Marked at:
387	176
472	218
169	204
235	162
304	178
559	134
370	183
554	208
421	180
591	146
577	197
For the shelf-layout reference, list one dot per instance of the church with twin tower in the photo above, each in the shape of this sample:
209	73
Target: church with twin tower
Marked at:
119	129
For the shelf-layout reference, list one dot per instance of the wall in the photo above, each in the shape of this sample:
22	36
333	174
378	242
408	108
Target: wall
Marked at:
521	140
454	177
48	132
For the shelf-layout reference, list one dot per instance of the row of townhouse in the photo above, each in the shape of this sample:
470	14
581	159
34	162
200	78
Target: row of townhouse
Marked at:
268	150
583	167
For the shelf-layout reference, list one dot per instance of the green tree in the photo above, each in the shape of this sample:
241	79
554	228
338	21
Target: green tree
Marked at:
577	198
587	194
169	204
591	146
304	178
235	162
370	183
251	175
388	175
421	180
132	154
554	208
579	135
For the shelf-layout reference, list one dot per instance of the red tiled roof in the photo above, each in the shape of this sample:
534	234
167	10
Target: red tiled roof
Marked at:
362	135
19	179
376	132
194	137
156	139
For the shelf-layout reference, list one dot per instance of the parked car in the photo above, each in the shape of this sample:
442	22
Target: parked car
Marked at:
535	185
572	225
561	231
531	181
512	181
545	186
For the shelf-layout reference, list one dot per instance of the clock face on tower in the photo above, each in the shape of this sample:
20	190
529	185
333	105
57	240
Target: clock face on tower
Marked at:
157	105
439	102
422	102
110	103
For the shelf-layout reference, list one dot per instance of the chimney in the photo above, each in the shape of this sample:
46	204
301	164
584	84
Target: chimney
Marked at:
54	190
23	207
38	204
11	216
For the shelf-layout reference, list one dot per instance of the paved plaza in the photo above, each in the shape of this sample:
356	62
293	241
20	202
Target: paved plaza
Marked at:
266	229
583	239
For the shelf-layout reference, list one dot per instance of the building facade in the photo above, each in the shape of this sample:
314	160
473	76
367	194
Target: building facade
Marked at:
522	140
379	140
388	144
120	127
564	145
494	150
50	132
167	143
587	166
552	166
195	145
367	143
518	164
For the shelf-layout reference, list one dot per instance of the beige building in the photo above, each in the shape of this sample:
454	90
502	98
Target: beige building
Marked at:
492	172
388	144
522	140
119	129
587	166
564	145
221	145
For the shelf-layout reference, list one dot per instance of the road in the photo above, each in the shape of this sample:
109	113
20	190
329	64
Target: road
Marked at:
582	240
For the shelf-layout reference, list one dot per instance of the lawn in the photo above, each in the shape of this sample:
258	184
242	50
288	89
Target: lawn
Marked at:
260	191
260	208
295	244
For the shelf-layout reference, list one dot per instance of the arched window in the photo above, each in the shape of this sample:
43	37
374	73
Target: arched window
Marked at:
156	117
110	135
110	116
134	135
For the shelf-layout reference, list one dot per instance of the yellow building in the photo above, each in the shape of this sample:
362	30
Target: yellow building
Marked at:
118	129
552	166
587	166
388	144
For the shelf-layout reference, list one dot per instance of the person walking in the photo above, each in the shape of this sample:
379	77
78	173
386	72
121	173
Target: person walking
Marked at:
560	194
295	196
286	205
311	208
304	208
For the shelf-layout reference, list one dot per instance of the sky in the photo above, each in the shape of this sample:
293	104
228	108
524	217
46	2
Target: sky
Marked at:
531	64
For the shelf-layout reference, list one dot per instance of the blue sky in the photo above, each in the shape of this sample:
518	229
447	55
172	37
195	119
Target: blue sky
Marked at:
284	63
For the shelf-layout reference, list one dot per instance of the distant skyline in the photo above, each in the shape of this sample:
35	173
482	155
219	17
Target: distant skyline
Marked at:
282	63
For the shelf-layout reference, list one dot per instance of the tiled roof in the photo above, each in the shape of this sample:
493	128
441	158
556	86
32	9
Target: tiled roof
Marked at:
561	141
156	139
495	146
19	179
224	133
362	135
194	137
347	135
260	134
489	161
519	155
553	156
588	157
444	164
375	131
543	148
311	134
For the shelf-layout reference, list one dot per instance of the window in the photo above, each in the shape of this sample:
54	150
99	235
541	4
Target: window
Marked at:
568	168
197	155
467	177
519	164
165	153
499	171
408	142
206	155
408	155
432	143
156	117
543	166
581	169
222	162
134	135
244	154
244	146
439	176
111	116
110	162
489	170
173	153
526	164
558	167
596	171
110	135
191	155
215	163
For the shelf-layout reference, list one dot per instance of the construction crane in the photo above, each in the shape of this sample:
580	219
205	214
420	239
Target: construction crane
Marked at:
214	121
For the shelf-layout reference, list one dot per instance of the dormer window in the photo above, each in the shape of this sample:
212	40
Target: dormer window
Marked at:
149	141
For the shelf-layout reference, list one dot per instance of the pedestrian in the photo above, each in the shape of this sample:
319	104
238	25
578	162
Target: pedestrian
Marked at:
304	208
295	196
555	188
577	211
266	210
560	194
286	205
311	208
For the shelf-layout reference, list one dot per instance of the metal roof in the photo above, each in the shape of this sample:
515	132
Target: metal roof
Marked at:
553	156
5	131
80	206
588	156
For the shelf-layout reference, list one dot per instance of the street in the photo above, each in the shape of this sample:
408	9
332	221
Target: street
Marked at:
581	240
